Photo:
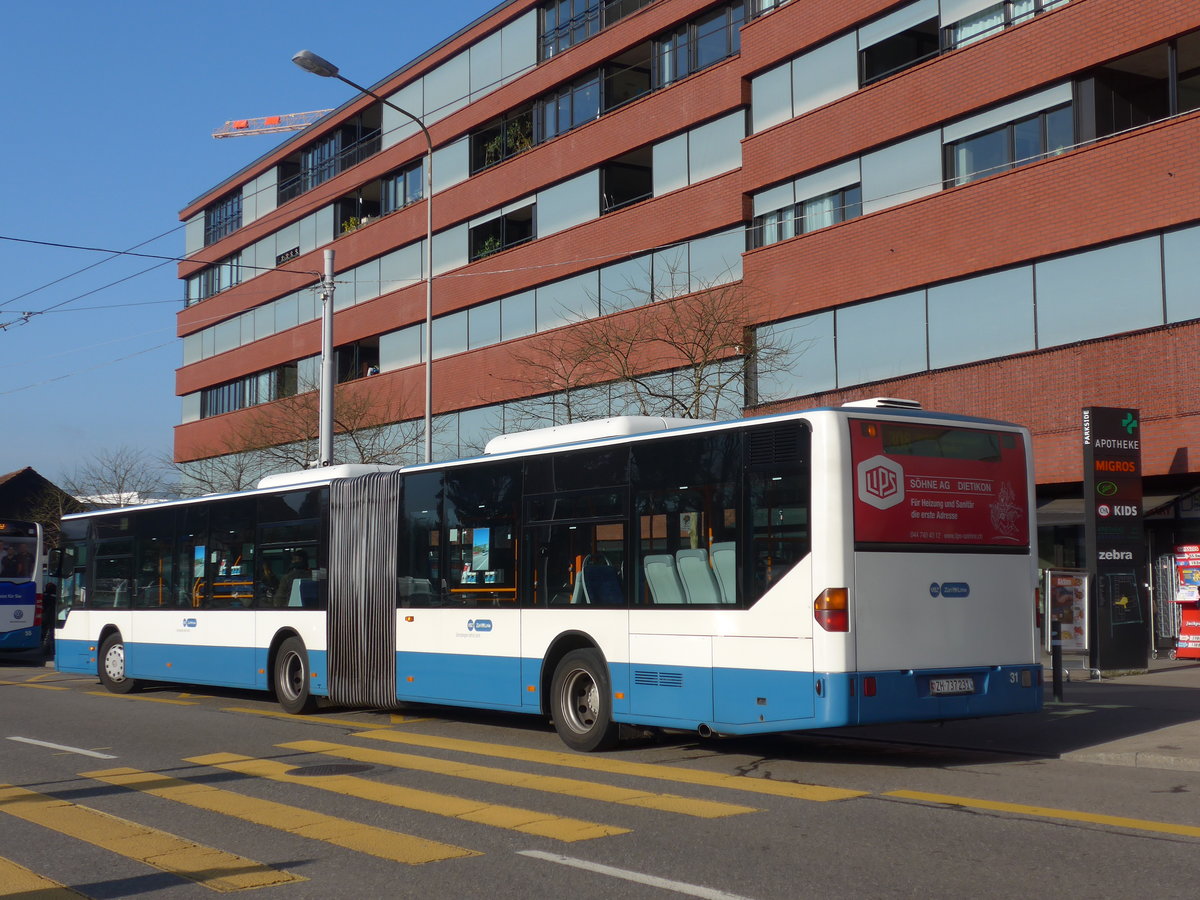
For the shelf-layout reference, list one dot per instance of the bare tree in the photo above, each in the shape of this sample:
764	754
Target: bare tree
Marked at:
119	476
697	356
48	507
282	436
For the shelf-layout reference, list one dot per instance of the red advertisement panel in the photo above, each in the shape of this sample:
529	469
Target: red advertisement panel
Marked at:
938	484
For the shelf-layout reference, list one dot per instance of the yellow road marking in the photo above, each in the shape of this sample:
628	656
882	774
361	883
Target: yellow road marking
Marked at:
311	720
19	881
207	866
621	767
510	817
43	676
1046	812
142	699
379	842
571	787
44	687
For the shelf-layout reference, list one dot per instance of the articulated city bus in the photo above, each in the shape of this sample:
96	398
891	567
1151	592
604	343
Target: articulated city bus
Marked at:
24	624
837	566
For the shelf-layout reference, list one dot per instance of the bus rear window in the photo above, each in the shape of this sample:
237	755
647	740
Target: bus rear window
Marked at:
938	486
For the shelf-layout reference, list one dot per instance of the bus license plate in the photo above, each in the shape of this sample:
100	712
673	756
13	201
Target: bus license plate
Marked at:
951	685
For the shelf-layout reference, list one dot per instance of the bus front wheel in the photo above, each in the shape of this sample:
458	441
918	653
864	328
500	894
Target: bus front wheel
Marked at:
291	678
111	666
581	702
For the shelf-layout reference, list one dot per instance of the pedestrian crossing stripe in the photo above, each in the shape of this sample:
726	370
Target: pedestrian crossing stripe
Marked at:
381	842
513	818
795	790
19	881
571	787
207	866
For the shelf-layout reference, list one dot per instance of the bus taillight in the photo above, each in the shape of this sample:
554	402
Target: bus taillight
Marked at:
832	609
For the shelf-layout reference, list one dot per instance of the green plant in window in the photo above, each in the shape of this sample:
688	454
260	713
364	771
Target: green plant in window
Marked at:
351	224
493	150
519	134
490	245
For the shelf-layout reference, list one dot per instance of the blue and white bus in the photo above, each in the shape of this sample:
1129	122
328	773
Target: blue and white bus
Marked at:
838	566
24	624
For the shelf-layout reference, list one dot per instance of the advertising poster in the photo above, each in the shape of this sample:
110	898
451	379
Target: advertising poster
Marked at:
938	484
1067	597
1187	594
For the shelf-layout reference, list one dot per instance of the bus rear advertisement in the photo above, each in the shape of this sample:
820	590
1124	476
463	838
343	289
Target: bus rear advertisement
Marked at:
837	566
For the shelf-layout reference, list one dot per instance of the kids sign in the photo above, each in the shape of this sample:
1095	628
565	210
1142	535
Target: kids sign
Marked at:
927	484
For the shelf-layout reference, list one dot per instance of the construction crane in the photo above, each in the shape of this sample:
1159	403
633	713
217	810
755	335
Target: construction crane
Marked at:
269	124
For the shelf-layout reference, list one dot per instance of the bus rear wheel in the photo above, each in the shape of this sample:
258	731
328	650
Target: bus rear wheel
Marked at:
581	702
110	666
291	677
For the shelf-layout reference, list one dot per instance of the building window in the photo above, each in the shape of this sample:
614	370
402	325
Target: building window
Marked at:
568	107
993	19
502	232
626	179
1144	87
806	216
899	51
223	218
1008	146
214	279
403	187
507	136
698	44
353	141
251	390
564	23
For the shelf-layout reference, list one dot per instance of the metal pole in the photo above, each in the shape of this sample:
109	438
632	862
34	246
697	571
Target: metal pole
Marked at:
1056	658
325	421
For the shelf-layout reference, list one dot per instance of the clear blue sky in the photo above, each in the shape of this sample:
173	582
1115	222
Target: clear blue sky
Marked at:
108	112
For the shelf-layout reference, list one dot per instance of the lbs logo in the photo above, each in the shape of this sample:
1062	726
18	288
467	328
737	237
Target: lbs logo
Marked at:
880	482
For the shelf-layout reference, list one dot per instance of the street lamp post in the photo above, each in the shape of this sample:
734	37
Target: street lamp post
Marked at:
310	62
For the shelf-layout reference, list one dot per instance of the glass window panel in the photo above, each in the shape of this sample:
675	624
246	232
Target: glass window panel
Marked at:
286	312
475	428
671	276
981	318
451	164
586	102
820	212
264	321
881	339
824	74
1181	250
208	343
450	334
803	359
1100	292
447	88
398	349
569	203
717	259
485	64
979	25
981	156
902	172
1027	140
670	163
228	335
517	316
366	281
771	97
402	267
716	147
1060	130
626	284
569	300
450	248
483	325
308	304
191	349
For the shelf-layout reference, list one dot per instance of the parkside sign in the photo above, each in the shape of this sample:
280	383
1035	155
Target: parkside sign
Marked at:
1113	536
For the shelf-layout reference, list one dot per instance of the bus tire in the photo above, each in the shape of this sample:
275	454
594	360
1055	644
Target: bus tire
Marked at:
110	666
581	702
290	678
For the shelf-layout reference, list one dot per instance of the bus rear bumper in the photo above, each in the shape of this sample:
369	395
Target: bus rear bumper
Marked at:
915	695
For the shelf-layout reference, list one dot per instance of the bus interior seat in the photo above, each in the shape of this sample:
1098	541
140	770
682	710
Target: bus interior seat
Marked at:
699	585
724	563
663	579
601	585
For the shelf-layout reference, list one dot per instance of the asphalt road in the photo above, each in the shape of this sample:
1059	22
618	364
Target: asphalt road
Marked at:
180	793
